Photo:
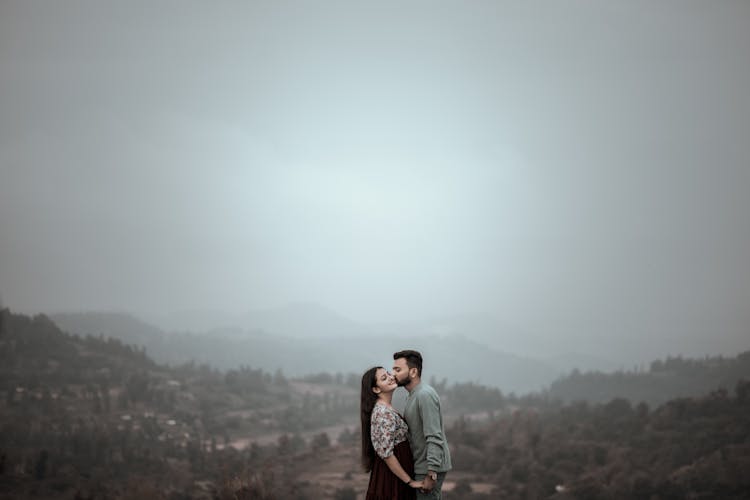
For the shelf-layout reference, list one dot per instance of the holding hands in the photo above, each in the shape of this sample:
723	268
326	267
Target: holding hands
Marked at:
416	484
428	483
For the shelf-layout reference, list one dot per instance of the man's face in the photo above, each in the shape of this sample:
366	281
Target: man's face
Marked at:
401	372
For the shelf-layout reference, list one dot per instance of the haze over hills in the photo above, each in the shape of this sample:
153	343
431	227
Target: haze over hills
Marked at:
566	349
312	320
297	319
118	325
303	338
333	344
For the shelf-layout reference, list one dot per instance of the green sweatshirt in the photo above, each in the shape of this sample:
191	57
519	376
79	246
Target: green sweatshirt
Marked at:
426	432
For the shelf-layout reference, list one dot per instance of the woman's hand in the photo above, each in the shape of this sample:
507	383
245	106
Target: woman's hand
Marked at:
416	484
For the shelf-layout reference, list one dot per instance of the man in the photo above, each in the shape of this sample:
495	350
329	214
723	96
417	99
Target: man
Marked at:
432	459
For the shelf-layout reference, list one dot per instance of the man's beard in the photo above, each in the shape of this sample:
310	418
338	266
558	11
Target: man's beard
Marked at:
402	383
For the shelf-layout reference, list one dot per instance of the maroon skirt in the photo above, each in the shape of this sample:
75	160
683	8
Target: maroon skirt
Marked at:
384	484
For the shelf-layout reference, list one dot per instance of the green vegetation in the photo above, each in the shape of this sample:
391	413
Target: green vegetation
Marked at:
92	418
686	448
665	380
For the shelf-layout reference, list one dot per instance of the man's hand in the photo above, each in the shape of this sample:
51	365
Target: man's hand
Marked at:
428	483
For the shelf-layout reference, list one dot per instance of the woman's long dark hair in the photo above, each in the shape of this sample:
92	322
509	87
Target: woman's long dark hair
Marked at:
367	403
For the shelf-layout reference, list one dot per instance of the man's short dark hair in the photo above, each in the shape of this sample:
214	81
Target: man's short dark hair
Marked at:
413	359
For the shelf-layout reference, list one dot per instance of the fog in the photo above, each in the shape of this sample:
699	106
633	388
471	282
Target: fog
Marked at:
575	173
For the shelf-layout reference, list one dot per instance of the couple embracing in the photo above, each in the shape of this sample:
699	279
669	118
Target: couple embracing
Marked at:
408	456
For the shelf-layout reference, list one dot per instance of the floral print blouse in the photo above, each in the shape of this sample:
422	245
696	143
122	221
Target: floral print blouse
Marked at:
387	429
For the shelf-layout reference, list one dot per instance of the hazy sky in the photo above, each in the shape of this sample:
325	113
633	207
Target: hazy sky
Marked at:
568	166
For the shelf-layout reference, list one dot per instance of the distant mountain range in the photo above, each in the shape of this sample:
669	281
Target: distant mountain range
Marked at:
311	320
302	339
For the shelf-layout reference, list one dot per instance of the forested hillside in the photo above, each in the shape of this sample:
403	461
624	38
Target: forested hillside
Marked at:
664	380
92	418
686	448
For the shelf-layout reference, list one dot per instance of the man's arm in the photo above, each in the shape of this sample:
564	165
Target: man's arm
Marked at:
429	409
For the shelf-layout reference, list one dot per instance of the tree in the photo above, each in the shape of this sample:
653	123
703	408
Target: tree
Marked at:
347	493
320	441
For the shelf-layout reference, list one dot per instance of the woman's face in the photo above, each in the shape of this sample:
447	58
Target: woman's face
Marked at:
385	381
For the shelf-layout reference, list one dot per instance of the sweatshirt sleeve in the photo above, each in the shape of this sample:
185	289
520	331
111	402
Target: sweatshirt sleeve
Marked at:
429	410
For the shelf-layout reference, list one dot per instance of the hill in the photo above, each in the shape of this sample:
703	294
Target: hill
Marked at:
666	379
91	417
453	357
685	448
95	418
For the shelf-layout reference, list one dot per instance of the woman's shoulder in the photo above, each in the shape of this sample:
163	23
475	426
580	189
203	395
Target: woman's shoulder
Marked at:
381	409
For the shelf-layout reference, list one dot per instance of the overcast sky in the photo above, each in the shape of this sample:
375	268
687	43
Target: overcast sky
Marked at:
566	166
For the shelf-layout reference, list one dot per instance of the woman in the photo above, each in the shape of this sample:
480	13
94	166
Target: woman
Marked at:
385	447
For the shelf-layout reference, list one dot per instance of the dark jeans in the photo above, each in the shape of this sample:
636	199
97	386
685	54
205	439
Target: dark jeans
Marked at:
436	493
